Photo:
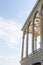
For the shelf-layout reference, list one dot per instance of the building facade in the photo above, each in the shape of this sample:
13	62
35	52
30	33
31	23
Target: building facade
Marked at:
33	26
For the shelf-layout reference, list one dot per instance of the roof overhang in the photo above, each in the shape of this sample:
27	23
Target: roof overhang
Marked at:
30	15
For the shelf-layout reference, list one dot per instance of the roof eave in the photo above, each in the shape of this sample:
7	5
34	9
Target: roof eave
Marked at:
30	14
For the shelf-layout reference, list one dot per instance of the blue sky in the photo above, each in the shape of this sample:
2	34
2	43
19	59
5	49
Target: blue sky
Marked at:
13	14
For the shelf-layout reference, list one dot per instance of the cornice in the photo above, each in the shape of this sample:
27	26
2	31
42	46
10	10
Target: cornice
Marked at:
30	14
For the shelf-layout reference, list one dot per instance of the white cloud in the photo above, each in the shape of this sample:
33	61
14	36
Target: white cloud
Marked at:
10	31
10	60
7	57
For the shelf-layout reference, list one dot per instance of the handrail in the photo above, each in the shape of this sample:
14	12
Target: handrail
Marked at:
35	52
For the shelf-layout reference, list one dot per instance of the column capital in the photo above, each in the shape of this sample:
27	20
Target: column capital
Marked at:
27	29
23	37
23	34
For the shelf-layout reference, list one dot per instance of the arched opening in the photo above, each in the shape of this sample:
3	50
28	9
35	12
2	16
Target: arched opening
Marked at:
30	38
36	30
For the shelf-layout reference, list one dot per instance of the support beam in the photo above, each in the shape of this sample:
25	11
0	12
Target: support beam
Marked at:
35	44
41	31
27	41
33	36
22	46
41	36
